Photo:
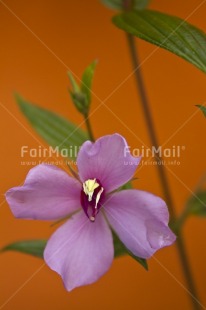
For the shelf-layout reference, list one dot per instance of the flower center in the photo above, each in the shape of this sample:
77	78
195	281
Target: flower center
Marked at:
91	198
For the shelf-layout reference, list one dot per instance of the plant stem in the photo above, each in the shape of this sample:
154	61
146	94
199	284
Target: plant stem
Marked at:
89	128
161	170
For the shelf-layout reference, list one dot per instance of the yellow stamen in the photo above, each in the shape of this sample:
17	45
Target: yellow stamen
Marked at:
89	187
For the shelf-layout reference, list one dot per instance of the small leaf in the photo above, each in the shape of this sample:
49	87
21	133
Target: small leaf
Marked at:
81	96
54	129
80	102
197	204
141	4
87	78
120	250
166	31
75	86
118	4
113	4
79	99
202	108
128	185
32	247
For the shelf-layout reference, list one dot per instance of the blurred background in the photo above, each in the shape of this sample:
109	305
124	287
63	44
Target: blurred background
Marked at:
40	42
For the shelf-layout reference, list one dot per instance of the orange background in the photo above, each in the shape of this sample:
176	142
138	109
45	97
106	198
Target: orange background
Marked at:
78	32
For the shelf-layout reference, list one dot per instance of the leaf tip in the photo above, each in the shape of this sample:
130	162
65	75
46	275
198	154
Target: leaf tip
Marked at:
17	97
95	62
202	108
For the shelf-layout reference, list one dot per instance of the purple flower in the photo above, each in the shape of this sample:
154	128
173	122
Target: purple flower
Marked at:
81	250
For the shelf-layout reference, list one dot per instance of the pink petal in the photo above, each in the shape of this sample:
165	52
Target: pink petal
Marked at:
141	221
80	251
107	160
48	193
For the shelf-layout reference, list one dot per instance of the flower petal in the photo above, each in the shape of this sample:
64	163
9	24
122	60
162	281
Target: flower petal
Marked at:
141	221
48	193
80	251
108	160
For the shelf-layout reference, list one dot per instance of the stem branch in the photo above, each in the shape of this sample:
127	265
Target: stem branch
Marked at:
161	171
89	128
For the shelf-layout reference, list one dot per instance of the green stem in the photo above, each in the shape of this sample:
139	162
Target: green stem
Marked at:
89	128
186	211
161	171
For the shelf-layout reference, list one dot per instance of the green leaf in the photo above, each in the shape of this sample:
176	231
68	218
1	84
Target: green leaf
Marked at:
169	32
80	102
120	250
81	95
87	78
141	4
127	185
32	247
202	108
118	4
75	86
197	204
54	129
